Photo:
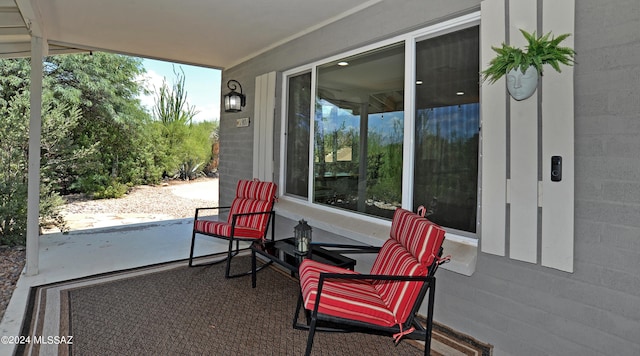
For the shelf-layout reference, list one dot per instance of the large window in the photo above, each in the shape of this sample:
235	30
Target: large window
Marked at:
346	121
359	124
447	128
298	119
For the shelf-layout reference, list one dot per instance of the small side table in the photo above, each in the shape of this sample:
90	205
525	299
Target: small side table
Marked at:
283	252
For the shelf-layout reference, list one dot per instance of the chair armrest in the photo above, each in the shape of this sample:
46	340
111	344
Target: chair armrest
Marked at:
379	277
210	208
356	276
347	249
254	213
234	217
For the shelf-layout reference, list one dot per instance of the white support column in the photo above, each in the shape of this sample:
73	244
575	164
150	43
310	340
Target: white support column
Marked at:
524	193
35	131
558	140
523	232
263	121
493	135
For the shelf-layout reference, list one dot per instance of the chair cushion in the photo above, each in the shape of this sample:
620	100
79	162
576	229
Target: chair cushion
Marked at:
254	221
421	237
253	196
399	296
223	229
349	299
256	190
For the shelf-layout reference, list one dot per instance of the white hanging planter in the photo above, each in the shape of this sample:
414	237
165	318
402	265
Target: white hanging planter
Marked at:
522	85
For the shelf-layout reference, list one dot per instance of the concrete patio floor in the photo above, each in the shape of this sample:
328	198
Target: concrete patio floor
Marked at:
88	252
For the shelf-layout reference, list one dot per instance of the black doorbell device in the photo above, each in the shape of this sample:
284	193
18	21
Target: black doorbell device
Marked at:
556	168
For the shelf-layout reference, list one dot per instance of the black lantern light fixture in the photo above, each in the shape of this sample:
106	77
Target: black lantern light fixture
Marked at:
234	101
302	235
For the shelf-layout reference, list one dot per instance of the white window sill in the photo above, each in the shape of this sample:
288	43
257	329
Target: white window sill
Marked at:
374	232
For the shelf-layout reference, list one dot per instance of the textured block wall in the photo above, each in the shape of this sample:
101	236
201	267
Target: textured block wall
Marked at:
525	309
532	310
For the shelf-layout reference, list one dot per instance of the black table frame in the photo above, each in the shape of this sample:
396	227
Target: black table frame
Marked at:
272	250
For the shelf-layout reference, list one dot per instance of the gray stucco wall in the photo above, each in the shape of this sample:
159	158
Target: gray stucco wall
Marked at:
520	308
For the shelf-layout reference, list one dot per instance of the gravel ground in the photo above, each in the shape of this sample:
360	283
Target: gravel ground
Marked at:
174	200
169	199
10	268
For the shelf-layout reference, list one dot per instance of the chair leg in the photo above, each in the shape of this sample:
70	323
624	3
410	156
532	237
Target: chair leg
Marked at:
229	256
297	314
427	338
312	330
231	253
193	241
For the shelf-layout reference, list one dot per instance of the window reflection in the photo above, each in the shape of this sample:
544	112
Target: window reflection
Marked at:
298	132
359	123
358	120
447	128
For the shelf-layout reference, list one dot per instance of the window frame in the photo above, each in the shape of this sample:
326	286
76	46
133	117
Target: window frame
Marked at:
410	39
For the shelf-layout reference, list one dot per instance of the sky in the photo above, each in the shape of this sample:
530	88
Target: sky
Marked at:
202	86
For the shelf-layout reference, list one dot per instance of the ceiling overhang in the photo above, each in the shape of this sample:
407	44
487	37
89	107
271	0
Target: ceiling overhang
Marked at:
216	34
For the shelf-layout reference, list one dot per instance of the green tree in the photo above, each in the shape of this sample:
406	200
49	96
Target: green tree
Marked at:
96	137
105	88
200	149
57	151
13	165
186	147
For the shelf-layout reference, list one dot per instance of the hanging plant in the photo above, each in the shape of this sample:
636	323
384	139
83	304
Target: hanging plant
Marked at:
527	64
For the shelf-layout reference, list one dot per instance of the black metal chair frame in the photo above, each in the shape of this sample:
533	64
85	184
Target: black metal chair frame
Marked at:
231	252
335	324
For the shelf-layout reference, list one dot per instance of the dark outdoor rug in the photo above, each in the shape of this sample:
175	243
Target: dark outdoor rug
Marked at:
172	309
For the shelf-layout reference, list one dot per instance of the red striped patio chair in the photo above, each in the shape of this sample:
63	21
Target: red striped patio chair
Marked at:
249	216
388	298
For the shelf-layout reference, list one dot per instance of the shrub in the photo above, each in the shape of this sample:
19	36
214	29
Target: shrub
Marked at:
111	191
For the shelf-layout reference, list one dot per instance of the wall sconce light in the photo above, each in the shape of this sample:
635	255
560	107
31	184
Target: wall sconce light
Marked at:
234	101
